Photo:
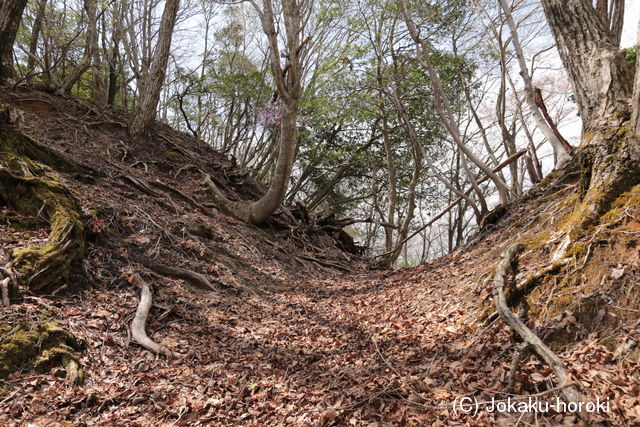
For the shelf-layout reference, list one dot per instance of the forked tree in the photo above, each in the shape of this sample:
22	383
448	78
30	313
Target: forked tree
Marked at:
288	81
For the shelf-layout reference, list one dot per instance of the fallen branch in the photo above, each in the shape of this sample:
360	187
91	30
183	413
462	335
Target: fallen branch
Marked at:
508	257
138	331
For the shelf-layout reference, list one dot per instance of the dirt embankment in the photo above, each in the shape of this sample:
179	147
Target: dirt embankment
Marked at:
275	325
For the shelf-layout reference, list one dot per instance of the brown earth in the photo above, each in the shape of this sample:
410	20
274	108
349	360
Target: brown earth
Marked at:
285	337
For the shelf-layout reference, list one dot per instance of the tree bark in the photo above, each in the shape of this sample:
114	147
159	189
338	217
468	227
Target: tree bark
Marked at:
145	112
289	89
10	16
635	102
35	34
92	33
609	155
600	75
560	152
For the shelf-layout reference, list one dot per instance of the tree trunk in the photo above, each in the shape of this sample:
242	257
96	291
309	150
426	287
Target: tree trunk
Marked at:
600	75
289	88
35	35
635	102
92	33
609	155
10	16
560	153
112	89
145	112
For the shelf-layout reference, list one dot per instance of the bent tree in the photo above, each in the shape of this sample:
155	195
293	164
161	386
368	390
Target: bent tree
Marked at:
602	82
289	89
10	16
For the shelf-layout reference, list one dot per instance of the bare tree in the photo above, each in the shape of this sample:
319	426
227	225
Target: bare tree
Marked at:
145	111
288	81
560	153
444	109
92	33
10	16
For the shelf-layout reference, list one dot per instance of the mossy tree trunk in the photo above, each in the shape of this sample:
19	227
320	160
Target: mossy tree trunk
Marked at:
29	186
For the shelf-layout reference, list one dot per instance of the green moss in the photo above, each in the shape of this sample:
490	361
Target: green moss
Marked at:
30	188
173	155
628	201
20	145
36	342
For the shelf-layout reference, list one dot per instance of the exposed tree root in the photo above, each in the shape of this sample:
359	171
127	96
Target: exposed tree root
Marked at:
508	257
140	184
4	285
185	197
31	188
138	328
189	276
323	262
538	275
145	187
37	342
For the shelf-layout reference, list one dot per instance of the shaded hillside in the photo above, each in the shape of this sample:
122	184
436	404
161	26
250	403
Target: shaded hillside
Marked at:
276	325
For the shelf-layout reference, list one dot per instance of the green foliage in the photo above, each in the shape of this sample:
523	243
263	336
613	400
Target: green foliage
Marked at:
631	53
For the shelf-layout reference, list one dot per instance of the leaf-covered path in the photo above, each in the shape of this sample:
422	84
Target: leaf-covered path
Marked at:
348	349
281	340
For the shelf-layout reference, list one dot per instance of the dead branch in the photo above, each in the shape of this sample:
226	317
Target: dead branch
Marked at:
138	331
508	257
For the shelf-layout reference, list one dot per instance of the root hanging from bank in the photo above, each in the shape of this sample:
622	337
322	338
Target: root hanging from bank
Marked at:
535	343
138	325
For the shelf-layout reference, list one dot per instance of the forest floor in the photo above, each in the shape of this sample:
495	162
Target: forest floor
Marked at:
297	332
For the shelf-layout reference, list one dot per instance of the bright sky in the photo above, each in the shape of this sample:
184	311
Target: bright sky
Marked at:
632	16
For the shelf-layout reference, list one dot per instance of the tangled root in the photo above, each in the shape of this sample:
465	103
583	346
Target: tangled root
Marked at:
28	186
37	342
